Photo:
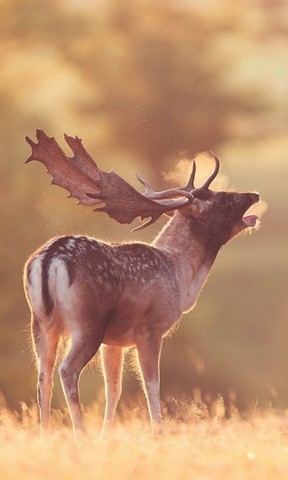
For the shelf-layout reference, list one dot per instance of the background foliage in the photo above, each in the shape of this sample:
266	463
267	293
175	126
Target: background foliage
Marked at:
145	83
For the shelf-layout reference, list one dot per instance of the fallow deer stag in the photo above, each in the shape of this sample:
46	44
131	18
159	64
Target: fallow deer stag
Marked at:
121	295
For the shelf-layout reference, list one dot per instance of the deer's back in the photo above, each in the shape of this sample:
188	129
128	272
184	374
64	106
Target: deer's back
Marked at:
74	280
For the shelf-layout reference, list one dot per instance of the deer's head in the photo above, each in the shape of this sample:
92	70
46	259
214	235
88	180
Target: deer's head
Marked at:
218	215
222	213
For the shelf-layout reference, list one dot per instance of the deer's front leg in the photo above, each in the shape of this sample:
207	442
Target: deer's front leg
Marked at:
149	348
112	364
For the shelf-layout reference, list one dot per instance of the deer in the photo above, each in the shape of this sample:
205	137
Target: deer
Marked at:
114	296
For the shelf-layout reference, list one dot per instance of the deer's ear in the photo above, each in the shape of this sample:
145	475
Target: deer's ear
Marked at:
195	209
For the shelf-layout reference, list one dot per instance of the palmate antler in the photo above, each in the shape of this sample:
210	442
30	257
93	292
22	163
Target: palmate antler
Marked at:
85	181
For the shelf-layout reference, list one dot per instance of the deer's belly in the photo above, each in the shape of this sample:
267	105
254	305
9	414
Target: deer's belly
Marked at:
128	329
120	333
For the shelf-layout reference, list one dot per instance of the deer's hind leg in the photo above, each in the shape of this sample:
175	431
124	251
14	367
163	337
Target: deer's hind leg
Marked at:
83	347
45	346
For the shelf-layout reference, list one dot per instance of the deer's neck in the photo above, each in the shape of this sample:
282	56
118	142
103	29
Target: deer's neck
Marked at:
193	251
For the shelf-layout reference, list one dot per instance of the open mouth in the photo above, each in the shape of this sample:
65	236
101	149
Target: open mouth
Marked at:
251	219
254	213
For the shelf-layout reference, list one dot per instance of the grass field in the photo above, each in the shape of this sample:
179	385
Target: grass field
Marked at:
203	447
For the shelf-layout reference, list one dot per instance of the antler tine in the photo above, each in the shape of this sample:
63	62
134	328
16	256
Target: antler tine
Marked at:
190	185
173	192
208	182
165	194
144	224
148	189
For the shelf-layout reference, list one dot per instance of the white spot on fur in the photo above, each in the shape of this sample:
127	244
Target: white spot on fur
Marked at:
108	287
71	244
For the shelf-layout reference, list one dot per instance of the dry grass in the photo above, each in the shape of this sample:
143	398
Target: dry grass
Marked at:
201	447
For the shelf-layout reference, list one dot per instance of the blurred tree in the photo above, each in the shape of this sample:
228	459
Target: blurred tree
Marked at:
156	78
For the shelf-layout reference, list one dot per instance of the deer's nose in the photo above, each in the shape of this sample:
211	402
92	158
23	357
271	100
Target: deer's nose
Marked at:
255	197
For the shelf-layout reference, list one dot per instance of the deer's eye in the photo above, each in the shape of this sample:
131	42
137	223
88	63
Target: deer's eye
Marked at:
223	202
